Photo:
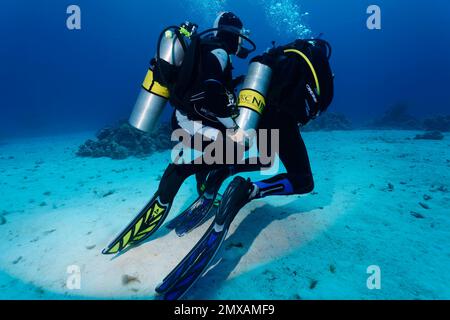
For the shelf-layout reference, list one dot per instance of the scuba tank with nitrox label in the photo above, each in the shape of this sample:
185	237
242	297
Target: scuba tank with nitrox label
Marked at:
252	97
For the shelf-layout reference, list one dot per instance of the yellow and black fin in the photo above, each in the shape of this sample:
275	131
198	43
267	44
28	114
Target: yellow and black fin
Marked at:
143	226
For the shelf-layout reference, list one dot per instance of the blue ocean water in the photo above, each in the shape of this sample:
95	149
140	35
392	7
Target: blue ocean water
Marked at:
374	203
57	80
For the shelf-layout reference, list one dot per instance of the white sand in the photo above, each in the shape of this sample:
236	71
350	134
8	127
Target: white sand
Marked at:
316	246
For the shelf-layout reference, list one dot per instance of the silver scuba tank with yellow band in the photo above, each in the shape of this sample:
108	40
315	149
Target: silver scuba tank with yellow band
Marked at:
252	97
153	96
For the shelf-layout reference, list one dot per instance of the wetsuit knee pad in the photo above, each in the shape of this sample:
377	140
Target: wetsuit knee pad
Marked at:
301	183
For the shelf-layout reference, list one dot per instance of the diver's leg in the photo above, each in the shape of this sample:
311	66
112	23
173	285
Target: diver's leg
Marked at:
201	178
217	177
204	206
201	209
173	178
298	178
292	152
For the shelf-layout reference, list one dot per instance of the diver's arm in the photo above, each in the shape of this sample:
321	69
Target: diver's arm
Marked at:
235	133
216	62
215	97
228	123
214	77
217	91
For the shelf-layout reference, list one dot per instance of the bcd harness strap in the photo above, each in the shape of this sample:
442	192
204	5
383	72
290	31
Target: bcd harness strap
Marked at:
301	54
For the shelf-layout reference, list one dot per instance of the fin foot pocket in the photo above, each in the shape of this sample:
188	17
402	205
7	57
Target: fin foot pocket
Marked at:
195	215
178	223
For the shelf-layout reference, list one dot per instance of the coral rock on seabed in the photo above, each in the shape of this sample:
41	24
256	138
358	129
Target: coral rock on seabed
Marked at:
123	141
126	279
396	117
432	135
437	123
329	121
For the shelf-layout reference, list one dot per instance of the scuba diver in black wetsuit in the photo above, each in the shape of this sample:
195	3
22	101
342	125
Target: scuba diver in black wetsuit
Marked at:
301	88
197	79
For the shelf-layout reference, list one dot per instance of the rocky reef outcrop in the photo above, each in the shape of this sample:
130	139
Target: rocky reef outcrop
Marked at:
396	117
437	123
430	135
123	140
329	121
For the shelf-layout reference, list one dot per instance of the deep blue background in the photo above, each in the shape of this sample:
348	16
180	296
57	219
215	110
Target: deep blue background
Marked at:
56	80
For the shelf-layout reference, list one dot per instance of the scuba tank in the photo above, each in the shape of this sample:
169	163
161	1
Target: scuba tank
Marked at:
252	97
154	93
168	71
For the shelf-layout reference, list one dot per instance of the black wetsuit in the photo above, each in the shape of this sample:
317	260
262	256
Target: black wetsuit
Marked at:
286	108
297	179
209	100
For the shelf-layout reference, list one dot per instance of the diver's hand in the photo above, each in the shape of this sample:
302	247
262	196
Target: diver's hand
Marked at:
240	137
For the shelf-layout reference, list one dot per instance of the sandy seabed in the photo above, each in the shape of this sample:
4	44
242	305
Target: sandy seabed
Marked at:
381	198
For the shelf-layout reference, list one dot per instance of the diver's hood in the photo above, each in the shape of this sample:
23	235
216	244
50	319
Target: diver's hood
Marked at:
230	29
242	34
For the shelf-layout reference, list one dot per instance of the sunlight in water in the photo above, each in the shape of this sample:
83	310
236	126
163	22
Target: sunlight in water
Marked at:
285	16
208	10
